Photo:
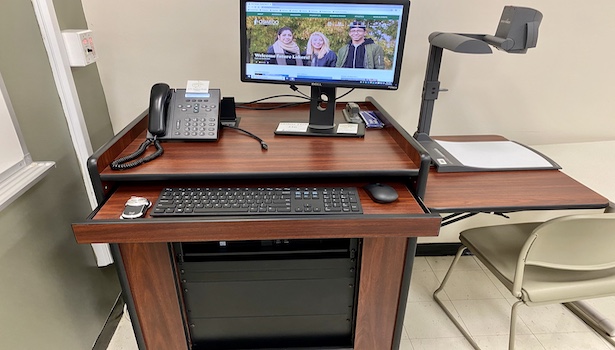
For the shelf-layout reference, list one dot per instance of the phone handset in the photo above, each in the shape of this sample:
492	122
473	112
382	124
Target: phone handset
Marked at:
160	97
158	108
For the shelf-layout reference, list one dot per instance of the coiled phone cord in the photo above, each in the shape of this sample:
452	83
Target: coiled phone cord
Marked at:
121	163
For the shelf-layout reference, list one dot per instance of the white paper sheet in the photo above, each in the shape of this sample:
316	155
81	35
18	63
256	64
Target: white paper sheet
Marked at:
346	128
494	155
292	127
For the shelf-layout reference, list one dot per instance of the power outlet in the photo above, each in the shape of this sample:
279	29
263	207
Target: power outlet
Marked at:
79	45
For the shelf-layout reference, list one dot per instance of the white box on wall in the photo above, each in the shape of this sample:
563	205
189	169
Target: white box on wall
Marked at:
79	45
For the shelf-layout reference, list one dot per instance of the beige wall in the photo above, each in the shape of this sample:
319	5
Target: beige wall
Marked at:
562	91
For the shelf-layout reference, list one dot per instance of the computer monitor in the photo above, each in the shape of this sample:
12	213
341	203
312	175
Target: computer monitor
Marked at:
310	42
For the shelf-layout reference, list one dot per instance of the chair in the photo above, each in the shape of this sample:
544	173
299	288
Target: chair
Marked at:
562	260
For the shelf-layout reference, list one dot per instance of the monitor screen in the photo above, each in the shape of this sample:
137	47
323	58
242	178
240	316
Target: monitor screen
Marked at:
336	43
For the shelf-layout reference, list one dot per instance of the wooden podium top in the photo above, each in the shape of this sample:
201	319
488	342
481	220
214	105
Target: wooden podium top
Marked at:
236	155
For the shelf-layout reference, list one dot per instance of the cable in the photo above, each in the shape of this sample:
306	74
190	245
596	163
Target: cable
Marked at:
346	93
121	163
271	97
296	89
262	142
284	105
125	163
292	104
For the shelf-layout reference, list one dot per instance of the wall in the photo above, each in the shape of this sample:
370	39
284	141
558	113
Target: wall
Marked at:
87	80
559	92
53	295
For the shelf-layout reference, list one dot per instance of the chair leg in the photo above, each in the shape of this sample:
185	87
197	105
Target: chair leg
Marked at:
513	325
593	319
444	308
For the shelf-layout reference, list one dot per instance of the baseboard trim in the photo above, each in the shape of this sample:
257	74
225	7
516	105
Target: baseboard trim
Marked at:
437	249
104	338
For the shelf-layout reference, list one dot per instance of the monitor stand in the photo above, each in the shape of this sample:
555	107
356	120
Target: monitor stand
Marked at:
322	118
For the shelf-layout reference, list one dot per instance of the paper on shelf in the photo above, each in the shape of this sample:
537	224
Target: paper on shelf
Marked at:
494	154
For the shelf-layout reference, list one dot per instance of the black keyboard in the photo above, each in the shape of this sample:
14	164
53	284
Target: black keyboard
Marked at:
204	201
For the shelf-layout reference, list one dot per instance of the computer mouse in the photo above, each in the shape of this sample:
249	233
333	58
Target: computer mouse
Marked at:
381	193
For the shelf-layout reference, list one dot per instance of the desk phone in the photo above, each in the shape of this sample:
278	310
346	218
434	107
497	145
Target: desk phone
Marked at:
175	114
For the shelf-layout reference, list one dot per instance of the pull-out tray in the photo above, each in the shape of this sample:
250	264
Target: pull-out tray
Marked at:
402	218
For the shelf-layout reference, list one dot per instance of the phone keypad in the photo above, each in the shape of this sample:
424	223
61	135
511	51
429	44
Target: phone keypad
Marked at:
195	126
196	118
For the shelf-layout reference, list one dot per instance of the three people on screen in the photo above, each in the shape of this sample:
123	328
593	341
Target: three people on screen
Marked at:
360	52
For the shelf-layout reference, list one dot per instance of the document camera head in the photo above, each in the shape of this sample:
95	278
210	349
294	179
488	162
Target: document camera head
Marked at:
517	30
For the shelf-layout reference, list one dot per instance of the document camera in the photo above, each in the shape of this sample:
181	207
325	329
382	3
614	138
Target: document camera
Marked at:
517	30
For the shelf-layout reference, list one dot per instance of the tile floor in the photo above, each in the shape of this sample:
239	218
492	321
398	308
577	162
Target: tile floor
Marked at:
482	304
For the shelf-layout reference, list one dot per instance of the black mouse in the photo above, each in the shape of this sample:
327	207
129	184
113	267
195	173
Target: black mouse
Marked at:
381	193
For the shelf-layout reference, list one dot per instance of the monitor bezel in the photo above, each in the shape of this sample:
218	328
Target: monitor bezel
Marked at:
334	84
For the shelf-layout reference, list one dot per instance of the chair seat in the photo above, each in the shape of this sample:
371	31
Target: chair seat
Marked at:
498	248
